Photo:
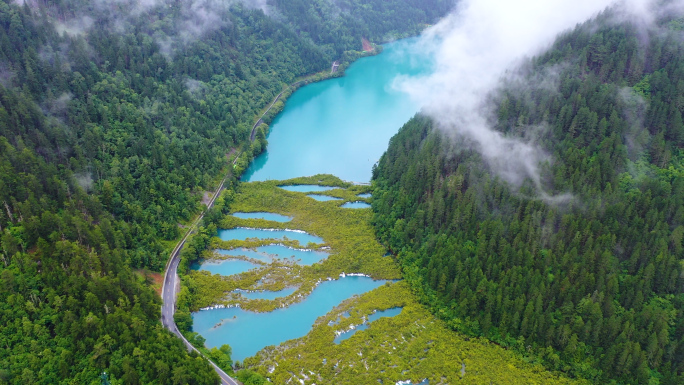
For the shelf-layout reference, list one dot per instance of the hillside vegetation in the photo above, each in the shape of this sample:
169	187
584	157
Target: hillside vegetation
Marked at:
115	116
593	285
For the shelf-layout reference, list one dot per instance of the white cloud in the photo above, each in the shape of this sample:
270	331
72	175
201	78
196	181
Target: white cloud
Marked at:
474	48
195	19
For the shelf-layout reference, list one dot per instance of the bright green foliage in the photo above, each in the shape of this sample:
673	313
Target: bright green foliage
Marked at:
248	377
221	357
593	286
70	305
70	313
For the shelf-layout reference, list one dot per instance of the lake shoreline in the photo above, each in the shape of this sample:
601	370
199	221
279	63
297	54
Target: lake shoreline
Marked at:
411	344
360	111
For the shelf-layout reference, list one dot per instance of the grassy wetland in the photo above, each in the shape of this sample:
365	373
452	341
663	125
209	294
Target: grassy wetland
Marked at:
413	345
347	236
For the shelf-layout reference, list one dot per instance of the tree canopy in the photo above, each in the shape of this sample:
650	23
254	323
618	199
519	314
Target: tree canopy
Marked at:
593	287
115	117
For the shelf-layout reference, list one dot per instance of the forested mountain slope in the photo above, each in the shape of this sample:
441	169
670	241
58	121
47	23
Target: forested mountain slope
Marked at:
592	285
338	25
114	117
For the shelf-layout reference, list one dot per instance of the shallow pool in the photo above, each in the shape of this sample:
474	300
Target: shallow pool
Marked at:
225	267
323	198
269	253
248	332
242	233
307	188
377	315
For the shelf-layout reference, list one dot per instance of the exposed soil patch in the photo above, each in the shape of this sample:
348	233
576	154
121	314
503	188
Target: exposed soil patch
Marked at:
206	198
367	46
230	154
156	279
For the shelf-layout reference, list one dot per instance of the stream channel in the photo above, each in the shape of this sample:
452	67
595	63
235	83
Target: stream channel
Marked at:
339	126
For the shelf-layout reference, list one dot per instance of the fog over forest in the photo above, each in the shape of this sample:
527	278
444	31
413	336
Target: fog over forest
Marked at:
485	45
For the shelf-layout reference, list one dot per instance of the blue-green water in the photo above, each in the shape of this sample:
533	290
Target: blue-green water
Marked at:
242	233
366	195
356	205
271	295
269	253
248	332
225	267
384	313
306	188
375	316
342	126
323	198
261	215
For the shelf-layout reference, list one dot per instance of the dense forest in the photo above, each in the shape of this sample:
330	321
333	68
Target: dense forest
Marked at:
593	286
115	116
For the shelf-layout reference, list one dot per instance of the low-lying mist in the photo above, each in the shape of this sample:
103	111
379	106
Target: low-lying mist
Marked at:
479	48
192	18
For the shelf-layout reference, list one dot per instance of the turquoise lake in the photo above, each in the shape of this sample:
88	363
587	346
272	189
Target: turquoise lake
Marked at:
248	332
342	126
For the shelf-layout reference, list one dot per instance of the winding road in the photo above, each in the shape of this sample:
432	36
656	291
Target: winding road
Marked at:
261	119
171	284
171	287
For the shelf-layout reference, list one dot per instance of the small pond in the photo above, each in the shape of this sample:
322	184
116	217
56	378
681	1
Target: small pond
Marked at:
377	315
262	215
224	267
307	188
242	233
269	253
323	198
248	332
